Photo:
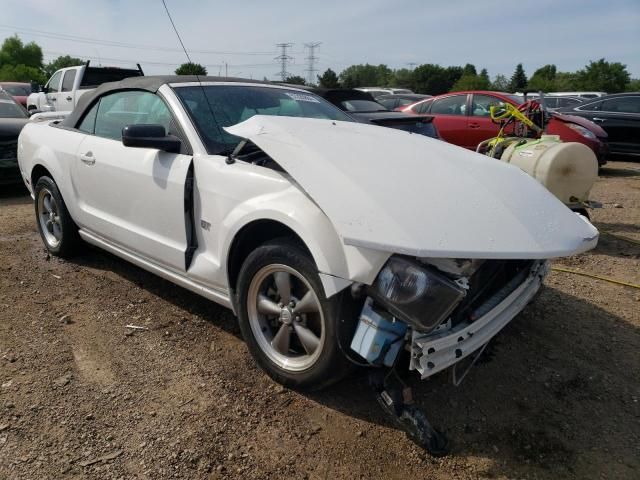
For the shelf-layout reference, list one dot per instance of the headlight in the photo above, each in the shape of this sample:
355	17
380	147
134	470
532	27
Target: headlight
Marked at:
582	131
401	282
417	295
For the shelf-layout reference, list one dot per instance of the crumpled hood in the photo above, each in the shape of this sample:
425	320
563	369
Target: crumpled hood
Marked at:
390	190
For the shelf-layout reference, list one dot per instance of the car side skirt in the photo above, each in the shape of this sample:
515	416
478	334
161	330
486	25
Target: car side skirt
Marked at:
220	297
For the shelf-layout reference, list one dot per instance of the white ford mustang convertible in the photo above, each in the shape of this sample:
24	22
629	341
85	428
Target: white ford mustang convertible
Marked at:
331	240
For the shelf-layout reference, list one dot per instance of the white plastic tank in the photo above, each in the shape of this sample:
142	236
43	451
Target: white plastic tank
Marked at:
568	170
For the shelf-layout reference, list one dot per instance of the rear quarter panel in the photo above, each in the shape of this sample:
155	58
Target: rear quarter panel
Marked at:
53	148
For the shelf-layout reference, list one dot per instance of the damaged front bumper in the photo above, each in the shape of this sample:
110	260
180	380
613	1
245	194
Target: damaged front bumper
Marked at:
445	346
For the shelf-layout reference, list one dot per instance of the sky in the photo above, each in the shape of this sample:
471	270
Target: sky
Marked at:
240	37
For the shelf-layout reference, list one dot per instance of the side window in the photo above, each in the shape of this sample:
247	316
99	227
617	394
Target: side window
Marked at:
118	110
88	123
67	81
622	104
423	107
591	107
482	103
454	105
54	83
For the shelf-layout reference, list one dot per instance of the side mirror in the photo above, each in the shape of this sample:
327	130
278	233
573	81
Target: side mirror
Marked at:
33	111
150	136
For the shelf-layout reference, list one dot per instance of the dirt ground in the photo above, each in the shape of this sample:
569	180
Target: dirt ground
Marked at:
83	397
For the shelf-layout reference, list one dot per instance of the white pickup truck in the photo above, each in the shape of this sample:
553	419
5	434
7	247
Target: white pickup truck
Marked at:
67	85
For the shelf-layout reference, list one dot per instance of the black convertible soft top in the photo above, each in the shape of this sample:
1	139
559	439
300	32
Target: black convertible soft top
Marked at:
148	83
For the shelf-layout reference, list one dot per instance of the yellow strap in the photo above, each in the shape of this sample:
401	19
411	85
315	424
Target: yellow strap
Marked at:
599	277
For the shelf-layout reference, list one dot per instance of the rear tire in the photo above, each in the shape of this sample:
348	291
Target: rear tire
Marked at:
57	229
286	320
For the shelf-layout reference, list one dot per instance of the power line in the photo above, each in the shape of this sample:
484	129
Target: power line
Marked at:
284	59
311	62
112	43
52	54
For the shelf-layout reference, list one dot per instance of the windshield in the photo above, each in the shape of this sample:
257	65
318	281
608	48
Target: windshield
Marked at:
517	98
17	90
227	105
362	106
8	109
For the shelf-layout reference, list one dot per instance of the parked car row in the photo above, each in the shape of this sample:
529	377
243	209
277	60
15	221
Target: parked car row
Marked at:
462	118
13	117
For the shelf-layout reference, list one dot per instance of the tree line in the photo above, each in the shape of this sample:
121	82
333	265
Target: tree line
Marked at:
432	79
24	62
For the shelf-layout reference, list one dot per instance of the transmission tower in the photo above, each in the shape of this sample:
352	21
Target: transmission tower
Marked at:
284	59
311	62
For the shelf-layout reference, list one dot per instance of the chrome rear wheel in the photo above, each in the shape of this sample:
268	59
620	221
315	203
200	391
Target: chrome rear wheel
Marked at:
49	218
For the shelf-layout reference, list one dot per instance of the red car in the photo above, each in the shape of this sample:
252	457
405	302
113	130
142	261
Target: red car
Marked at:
462	118
18	90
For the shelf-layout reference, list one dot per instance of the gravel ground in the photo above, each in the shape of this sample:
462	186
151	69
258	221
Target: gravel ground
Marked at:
84	397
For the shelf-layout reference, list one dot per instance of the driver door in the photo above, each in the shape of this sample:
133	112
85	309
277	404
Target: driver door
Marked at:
481	127
132	197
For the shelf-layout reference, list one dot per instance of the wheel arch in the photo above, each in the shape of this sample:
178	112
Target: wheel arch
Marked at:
250	237
38	171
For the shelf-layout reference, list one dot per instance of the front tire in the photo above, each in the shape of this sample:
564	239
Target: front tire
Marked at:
57	229
286	320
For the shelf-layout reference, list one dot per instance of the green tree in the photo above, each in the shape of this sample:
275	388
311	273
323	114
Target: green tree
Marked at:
365	76
14	52
471	82
295	80
484	75
633	85
434	79
191	69
566	82
500	83
403	78
22	73
543	79
329	79
61	62
603	76
518	79
469	69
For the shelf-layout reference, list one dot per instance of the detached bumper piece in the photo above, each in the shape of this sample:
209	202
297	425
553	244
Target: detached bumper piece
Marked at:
433	352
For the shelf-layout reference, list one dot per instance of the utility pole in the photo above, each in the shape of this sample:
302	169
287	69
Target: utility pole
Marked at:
284	59
311	62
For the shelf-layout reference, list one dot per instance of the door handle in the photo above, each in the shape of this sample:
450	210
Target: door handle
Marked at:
69	99
598	119
53	99
474	125
87	158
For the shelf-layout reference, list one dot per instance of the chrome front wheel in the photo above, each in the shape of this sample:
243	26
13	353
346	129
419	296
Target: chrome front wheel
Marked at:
288	323
286	317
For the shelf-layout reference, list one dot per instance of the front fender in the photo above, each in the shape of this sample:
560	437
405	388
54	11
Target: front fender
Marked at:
338	264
